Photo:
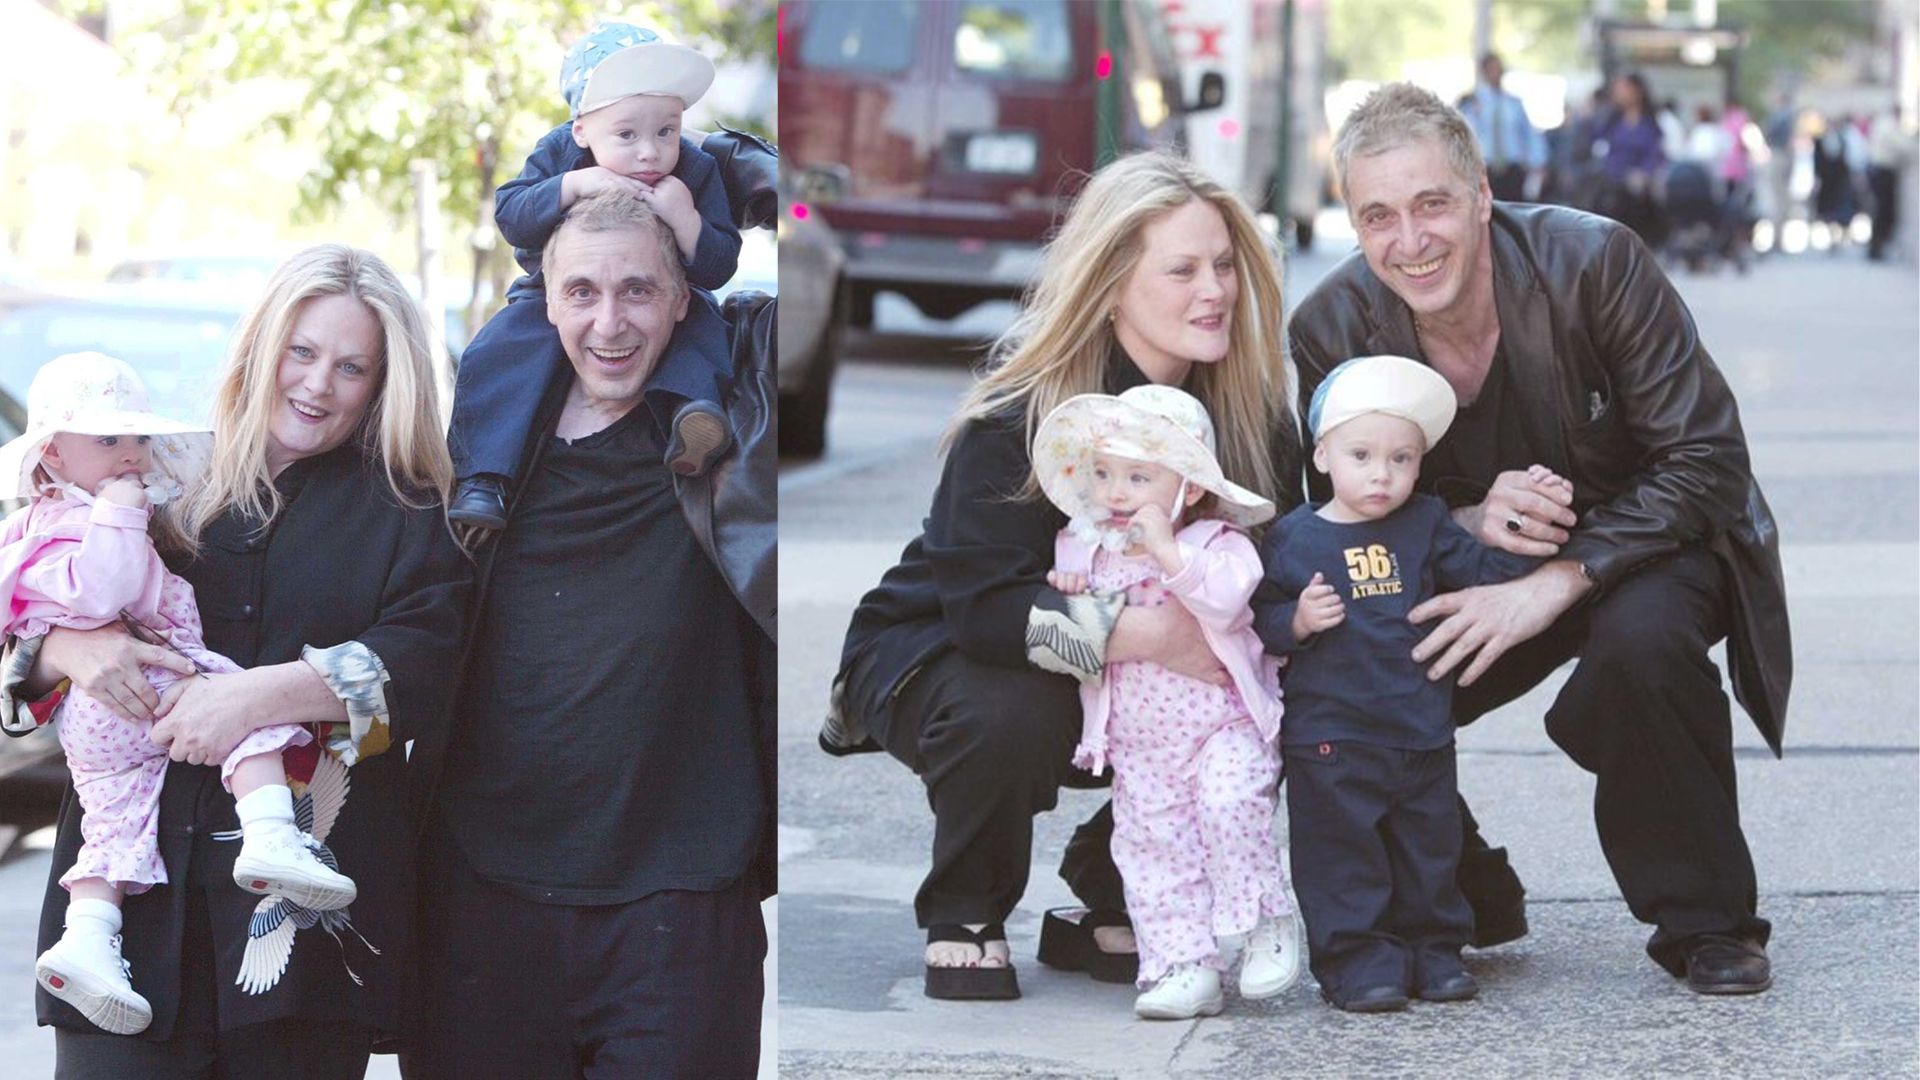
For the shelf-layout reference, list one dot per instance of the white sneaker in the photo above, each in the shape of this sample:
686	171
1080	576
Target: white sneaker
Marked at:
1187	991
87	972
1272	960
282	861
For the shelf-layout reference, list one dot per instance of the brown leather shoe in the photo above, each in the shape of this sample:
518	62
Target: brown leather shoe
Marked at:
1717	964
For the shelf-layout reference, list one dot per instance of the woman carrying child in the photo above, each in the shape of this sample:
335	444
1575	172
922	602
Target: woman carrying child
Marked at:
963	662
323	565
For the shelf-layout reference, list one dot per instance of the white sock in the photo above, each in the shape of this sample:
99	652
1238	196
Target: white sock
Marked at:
265	810
89	916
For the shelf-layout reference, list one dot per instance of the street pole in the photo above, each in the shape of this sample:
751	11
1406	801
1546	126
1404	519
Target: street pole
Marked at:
428	229
1482	28
1283	169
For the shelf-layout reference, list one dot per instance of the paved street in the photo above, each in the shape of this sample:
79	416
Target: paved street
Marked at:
1822	354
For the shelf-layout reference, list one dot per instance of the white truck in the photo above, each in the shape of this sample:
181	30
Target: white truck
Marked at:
1244	41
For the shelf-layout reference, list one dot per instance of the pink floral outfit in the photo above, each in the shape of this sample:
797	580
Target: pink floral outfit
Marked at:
1196	766
68	560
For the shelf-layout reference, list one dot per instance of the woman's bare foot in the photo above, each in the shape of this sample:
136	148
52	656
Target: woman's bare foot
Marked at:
1114	939
995	954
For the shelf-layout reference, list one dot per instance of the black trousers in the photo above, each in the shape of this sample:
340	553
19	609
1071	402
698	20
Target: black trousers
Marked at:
666	985
1645	714
1507	182
1884	184
1376	840
994	746
294	1048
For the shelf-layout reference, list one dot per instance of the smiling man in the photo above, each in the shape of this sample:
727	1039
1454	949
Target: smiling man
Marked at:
1567	346
590	868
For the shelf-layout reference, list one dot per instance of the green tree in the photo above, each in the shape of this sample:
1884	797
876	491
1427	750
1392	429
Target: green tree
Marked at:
467	84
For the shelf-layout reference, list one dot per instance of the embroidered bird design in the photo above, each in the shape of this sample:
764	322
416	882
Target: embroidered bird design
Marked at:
316	805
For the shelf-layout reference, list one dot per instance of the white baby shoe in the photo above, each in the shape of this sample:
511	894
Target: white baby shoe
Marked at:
282	861
1273	957
1189	990
87	972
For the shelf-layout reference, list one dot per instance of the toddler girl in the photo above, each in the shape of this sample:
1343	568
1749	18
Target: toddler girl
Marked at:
1195	765
92	461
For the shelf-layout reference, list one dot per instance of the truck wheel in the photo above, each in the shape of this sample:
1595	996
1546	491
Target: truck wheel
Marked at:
803	415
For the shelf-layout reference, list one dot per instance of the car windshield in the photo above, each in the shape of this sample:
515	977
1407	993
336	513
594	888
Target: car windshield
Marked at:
177	353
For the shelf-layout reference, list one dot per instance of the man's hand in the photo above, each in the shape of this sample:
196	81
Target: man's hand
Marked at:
202	720
1067	583
1525	512
594	180
1484	622
124	490
1168	635
670	199
105	663
1320	609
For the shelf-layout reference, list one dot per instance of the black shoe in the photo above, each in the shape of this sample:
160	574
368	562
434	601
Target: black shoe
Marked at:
1459	986
1717	964
480	501
1374	999
1494	892
1067	943
971	983
700	436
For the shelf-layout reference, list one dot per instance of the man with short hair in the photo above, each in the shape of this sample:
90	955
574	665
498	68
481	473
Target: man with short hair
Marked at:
1567	346
1512	147
595	854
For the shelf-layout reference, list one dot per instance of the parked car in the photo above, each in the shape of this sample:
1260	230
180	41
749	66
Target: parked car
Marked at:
811	265
942	140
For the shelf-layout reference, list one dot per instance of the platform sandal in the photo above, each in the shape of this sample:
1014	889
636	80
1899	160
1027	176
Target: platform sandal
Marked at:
971	983
1067	943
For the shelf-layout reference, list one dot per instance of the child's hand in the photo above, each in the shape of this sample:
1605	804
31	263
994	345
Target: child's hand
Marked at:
1068	583
1547	480
125	490
1320	609
595	180
670	199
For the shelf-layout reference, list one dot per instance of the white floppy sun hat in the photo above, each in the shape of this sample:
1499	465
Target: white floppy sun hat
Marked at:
1157	424
90	393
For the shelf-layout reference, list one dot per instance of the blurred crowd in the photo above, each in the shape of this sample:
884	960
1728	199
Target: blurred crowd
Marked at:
1694	182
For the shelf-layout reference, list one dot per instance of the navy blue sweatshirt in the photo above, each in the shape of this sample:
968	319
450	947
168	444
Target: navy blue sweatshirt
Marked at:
1358	681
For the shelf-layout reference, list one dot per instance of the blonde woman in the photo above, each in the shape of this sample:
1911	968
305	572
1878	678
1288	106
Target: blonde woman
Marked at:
322	563
962	662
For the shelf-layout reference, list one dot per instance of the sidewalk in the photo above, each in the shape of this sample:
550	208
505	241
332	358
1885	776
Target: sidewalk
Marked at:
1822	355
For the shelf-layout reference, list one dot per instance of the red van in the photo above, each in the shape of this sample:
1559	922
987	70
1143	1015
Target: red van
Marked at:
942	140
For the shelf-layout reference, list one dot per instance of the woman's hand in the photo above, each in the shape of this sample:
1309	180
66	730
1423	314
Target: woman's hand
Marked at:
105	664
203	719
1522	514
1170	636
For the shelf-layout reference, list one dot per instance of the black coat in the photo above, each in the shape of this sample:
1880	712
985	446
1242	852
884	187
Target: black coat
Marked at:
344	561
1616	388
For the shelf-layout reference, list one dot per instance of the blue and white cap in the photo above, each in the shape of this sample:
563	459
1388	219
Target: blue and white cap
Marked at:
1393	385
619	60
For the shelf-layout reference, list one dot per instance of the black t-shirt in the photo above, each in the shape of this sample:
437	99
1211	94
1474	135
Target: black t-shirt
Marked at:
1485	439
605	748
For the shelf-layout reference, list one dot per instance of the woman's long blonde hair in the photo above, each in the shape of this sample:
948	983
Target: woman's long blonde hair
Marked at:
401	429
1060	343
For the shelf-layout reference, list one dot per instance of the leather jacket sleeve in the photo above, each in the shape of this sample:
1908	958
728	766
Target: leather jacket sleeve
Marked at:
750	167
1661	417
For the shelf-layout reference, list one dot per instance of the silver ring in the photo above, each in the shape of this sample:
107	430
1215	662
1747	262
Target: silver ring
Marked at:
1513	524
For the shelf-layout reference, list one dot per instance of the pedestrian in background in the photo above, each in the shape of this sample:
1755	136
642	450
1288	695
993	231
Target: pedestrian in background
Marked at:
1890	152
1634	160
963	662
1513	147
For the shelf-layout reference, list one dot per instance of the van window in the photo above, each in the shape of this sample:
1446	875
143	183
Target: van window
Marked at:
854	35
1014	39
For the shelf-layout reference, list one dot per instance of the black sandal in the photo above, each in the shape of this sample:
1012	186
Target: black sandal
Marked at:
971	983
1067	943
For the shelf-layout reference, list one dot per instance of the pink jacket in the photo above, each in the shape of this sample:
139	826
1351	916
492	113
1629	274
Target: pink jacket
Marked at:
68	563
1216	585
